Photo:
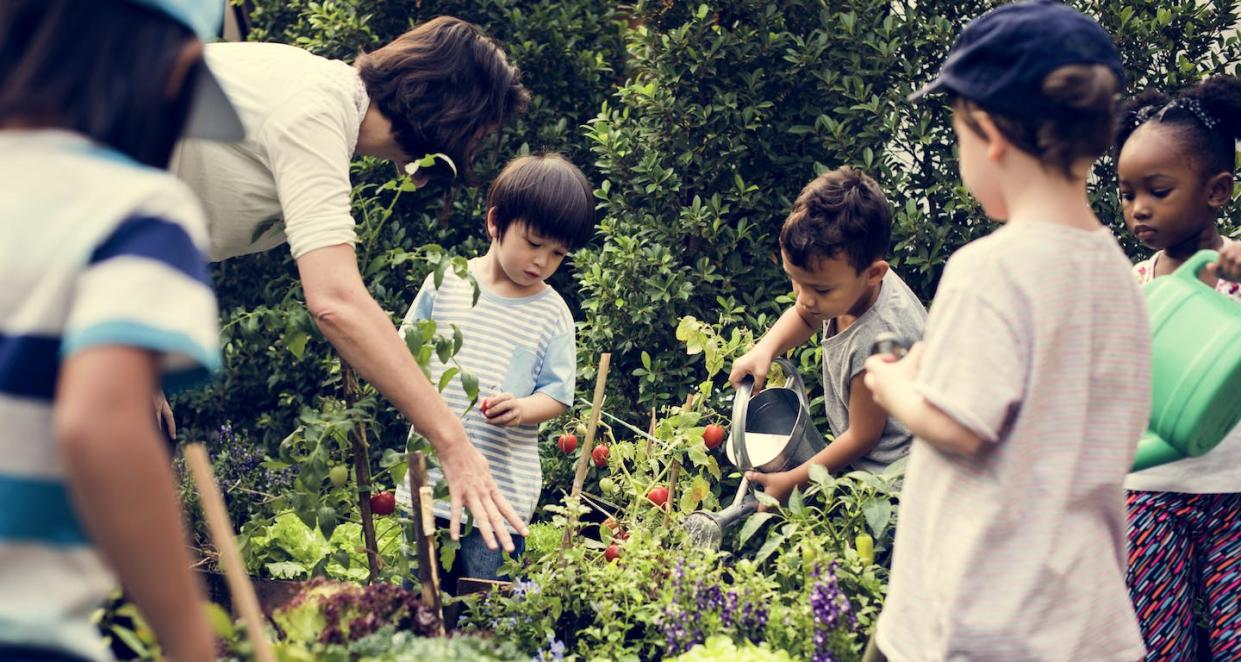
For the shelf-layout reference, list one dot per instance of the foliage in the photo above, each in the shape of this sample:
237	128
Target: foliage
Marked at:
286	548
731	107
337	612
807	573
722	649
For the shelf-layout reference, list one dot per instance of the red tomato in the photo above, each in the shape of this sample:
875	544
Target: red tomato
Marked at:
658	495
567	443
383	503
611	553
600	456
713	436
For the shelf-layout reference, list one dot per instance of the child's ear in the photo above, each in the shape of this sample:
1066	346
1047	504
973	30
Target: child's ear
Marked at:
493	233
876	271
997	144
1219	190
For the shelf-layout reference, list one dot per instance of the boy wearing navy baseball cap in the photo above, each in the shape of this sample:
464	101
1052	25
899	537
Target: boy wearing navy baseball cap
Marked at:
94	94
1032	386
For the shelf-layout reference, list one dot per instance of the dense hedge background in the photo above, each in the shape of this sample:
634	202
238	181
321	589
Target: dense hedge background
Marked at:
698	123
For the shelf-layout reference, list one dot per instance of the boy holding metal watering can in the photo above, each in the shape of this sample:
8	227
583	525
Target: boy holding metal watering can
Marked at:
833	246
1033	384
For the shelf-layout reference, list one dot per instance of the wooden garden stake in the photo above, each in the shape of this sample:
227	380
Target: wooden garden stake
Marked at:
362	470
646	443
583	463
221	531
422	495
673	475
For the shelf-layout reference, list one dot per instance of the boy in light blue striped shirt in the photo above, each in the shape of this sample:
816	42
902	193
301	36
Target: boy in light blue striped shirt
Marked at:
518	338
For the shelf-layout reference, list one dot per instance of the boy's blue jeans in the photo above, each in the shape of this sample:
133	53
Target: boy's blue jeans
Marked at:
478	562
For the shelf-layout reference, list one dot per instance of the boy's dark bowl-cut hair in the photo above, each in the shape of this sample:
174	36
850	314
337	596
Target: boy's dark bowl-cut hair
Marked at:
1080	122
445	87
840	211
549	194
98	68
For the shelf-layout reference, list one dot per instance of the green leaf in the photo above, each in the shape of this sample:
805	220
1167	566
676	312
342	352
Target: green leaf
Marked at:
766	499
470	383
287	570
446	378
878	513
296	343
131	640
221	622
796	505
773	543
646	360
819	474
752	525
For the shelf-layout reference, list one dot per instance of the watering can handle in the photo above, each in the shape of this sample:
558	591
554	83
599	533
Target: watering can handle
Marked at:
793	378
1154	451
741	404
1193	267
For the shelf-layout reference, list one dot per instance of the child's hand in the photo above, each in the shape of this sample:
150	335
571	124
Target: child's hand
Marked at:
502	410
778	485
883	372
756	363
1229	265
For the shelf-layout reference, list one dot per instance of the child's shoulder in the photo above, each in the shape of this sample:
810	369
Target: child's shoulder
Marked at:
108	188
555	309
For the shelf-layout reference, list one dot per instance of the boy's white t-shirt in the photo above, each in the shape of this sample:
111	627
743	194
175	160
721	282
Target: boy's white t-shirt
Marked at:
289	179
1218	471
517	345
1038	341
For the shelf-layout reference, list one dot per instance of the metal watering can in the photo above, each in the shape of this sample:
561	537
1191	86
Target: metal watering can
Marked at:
782	436
1197	371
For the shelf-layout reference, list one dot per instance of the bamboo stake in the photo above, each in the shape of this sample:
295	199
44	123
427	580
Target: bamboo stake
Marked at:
422	495
674	475
672	491
221	530
646	443
362	470
583	463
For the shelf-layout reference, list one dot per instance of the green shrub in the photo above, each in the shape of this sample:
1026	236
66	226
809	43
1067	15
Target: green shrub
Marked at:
731	107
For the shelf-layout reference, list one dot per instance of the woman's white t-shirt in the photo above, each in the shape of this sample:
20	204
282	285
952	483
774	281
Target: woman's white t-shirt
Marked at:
289	179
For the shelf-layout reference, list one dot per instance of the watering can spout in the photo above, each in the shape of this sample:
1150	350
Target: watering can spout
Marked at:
1153	451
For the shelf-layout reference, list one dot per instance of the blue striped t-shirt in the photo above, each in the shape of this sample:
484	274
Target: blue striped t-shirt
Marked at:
520	346
95	250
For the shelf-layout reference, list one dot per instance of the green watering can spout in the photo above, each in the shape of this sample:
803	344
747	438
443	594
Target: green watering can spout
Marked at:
1154	451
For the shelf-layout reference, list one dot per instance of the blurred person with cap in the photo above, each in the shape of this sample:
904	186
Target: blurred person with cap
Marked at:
94	95
1032	387
440	88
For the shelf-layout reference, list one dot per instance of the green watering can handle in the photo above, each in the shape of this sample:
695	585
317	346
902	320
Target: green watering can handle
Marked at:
1193	266
1154	451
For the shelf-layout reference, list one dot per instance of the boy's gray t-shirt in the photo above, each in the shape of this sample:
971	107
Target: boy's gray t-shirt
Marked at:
898	311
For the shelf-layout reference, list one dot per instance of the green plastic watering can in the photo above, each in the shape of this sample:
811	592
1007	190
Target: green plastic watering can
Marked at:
1197	371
